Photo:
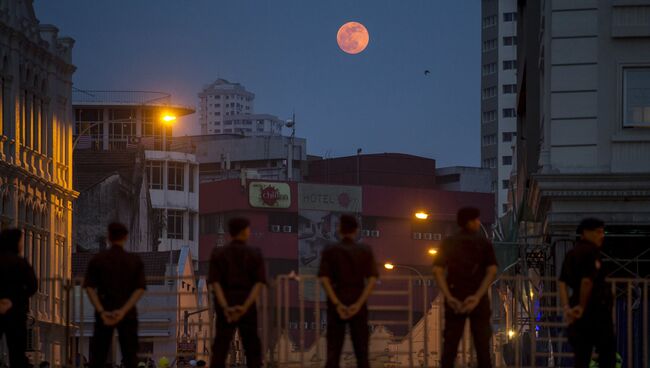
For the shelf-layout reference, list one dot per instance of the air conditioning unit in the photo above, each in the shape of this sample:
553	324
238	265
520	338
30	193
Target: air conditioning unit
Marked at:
365	233
428	236
437	237
286	229
417	236
275	228
375	233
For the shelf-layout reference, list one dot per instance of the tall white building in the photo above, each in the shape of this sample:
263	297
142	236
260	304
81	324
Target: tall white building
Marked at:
36	192
227	108
498	94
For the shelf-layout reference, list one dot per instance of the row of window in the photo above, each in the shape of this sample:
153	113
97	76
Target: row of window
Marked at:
489	45
491	116
491	163
228	97
491	20
175	175
491	68
489	92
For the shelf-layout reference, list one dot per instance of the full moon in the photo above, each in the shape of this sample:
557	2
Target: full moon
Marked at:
352	37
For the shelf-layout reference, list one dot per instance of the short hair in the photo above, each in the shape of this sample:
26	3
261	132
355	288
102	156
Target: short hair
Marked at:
589	223
348	224
238	224
9	239
117	232
467	214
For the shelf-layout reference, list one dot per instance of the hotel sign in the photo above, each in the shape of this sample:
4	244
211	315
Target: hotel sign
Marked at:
269	195
334	198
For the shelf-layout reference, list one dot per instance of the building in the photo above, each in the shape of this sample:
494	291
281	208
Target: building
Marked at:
389	169
498	94
464	179
228	156
122	121
36	191
584	112
227	108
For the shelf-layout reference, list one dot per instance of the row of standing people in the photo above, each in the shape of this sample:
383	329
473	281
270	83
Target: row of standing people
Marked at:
464	269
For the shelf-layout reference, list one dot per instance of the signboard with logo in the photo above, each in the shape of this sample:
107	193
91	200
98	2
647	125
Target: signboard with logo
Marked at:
319	210
269	195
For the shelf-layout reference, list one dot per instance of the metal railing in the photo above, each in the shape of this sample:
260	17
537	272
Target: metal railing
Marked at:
121	97
176	320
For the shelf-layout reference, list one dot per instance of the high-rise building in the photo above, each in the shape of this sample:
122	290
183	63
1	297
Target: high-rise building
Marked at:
498	94
36	192
583	146
227	108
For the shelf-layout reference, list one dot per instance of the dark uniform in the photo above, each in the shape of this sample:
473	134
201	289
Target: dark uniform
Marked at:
347	265
595	328
466	256
237	267
18	284
115	274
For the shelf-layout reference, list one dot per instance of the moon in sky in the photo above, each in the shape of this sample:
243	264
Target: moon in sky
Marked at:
352	37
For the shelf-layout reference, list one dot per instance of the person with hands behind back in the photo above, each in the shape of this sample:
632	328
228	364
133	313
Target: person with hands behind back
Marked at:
589	309
114	282
237	275
348	273
470	264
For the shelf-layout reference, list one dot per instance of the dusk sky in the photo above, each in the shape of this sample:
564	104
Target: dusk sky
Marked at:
285	51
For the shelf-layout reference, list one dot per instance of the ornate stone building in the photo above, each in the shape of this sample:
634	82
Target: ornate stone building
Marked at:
36	161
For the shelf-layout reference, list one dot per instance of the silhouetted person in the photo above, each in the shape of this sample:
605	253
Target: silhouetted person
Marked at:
348	273
115	282
236	276
471	266
589	309
17	284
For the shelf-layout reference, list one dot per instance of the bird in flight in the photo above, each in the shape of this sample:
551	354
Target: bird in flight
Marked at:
427	72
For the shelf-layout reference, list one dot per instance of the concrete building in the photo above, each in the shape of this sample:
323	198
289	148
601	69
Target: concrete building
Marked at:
228	156
227	108
498	91
36	192
120	121
584	108
464	179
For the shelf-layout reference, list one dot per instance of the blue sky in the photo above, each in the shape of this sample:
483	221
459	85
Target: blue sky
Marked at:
285	52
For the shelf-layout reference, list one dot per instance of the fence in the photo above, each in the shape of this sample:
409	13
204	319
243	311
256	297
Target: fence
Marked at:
176	321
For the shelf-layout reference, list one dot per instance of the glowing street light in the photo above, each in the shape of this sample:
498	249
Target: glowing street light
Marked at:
433	251
511	333
389	266
422	215
168	119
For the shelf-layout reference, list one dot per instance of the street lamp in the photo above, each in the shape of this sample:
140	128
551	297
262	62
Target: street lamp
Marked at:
432	251
421	215
391	266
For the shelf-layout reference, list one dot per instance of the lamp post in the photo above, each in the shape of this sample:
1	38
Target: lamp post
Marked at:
391	266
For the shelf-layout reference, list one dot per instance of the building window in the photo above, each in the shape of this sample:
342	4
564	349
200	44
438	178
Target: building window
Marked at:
489	92
636	97
509	113
506	160
174	224
507	136
190	226
489	116
489	21
191	178
490	163
509	88
510	17
489	139
154	174
489	68
505	184
509	64
489	45
510	41
175	175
